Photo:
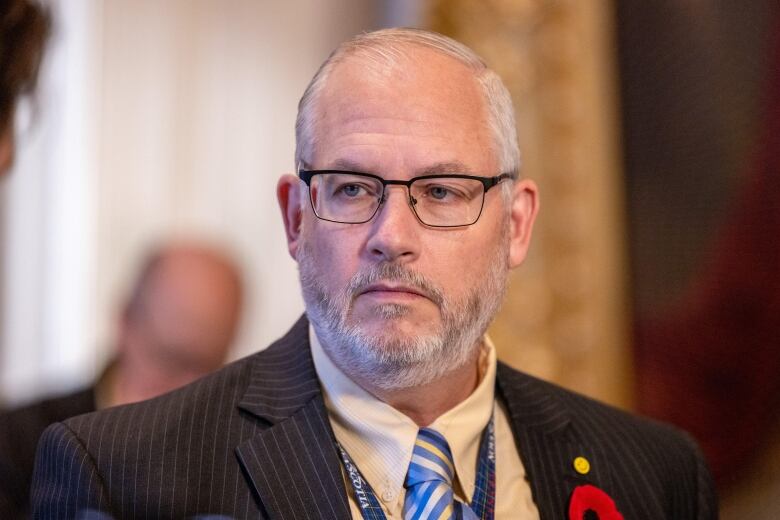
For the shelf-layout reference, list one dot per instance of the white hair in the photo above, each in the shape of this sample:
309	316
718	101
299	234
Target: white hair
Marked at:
388	46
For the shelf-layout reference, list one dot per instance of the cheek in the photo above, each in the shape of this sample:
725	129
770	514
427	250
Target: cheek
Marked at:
467	263
335	255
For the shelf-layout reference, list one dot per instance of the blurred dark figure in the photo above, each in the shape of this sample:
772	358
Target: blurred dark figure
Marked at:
177	325
24	27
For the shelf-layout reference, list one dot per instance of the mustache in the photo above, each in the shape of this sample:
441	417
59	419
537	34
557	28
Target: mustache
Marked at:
390	272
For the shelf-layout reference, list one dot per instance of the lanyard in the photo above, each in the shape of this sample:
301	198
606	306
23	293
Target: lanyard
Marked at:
483	502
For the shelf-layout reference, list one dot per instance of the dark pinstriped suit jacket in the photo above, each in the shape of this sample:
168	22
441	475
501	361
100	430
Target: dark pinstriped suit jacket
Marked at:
253	441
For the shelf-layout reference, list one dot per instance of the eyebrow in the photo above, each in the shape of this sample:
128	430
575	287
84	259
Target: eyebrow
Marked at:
347	165
445	167
434	169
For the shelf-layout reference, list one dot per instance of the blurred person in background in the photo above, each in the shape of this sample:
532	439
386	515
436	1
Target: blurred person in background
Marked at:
177	325
24	28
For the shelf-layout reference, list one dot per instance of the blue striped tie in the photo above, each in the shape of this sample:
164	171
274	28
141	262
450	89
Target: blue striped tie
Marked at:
429	481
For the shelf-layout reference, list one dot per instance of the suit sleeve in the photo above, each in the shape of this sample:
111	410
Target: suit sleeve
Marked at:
65	479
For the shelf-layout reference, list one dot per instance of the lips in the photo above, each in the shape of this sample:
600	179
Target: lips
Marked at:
392	288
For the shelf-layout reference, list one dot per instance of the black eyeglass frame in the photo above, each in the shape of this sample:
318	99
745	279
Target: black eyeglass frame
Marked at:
487	183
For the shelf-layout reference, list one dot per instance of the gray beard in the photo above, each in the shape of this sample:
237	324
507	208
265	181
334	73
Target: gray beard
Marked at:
393	361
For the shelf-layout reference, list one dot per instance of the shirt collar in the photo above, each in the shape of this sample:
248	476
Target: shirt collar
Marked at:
380	439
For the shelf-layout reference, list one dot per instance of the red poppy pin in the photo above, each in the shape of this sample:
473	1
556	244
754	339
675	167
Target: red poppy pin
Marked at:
591	503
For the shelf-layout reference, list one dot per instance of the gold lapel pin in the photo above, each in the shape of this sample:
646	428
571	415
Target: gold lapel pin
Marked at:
581	465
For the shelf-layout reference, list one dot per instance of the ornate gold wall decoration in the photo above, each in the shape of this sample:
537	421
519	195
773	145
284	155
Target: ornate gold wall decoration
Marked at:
565	318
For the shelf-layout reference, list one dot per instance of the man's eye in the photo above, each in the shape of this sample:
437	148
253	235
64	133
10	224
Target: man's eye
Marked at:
439	192
352	190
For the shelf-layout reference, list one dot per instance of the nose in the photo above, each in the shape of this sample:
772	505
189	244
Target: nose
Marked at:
395	230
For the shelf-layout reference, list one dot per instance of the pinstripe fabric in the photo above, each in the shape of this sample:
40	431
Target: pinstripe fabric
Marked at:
651	470
253	441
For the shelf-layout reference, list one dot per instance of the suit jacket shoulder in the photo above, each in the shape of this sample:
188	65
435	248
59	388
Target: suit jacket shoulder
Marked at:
222	445
124	459
650	469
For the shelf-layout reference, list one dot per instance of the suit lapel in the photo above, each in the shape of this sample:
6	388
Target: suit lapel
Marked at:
548	442
292	464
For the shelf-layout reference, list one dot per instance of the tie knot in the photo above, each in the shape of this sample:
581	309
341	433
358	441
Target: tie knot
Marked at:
431	459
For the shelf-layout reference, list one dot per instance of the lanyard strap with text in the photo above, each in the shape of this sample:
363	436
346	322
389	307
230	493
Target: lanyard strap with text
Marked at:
483	503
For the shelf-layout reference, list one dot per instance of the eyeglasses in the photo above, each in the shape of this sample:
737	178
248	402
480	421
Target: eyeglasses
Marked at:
447	200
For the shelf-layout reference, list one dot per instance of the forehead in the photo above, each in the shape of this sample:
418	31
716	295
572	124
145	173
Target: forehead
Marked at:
421	107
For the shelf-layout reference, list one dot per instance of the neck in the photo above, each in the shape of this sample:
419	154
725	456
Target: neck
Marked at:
130	379
426	403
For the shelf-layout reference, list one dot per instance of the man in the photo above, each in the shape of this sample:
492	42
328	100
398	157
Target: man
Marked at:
385	400
177	325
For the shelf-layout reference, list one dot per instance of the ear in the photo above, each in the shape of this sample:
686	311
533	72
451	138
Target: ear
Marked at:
288	194
525	205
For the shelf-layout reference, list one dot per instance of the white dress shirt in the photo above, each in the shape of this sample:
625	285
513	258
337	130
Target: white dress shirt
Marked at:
380	439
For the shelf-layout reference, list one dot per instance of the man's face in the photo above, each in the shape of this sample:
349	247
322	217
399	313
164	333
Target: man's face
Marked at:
390	296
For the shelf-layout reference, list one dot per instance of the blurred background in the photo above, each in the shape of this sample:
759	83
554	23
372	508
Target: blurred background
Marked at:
653	129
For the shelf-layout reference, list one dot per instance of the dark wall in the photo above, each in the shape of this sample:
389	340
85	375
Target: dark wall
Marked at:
693	75
701	117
